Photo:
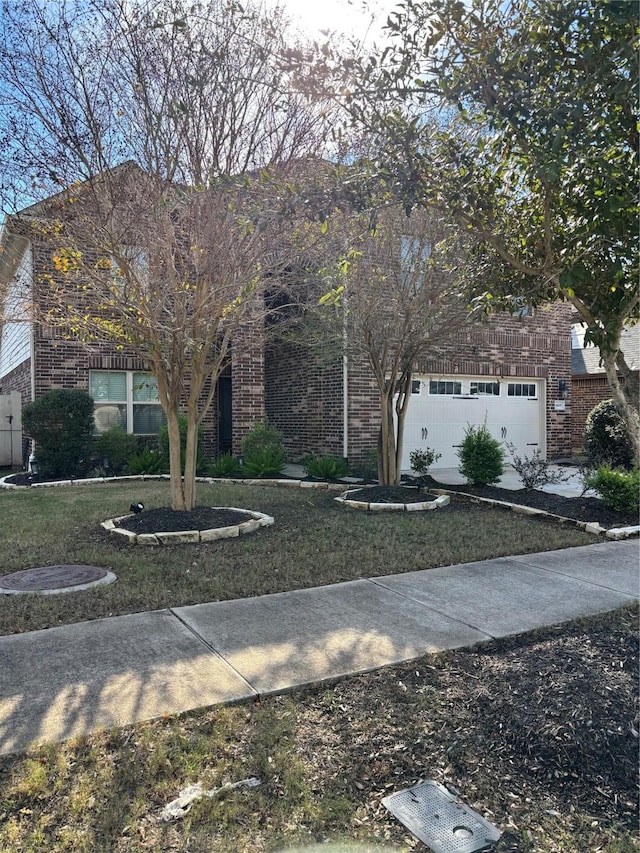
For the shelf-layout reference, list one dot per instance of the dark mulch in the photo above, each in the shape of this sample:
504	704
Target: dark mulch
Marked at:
390	494
578	508
166	520
542	727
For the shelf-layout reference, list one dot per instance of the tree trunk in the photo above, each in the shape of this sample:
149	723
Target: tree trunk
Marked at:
387	471
402	404
191	455
624	398
175	465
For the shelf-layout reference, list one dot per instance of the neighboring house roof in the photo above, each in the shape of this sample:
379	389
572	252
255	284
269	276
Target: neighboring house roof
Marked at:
586	360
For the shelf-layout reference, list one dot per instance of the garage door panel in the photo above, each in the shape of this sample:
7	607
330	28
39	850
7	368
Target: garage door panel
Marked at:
439	421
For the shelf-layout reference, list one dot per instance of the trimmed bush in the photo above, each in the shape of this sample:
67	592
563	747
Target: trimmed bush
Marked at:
61	424
481	456
618	488
422	460
116	446
325	467
606	438
163	445
262	436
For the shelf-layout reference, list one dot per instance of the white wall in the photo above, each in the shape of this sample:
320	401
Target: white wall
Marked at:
15	337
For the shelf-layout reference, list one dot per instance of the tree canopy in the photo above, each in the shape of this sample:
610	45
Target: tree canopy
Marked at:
166	132
519	119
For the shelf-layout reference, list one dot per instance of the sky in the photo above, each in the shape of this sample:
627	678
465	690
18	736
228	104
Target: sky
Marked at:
359	18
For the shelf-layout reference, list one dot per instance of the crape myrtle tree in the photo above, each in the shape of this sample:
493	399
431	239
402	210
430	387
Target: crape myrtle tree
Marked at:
519	120
392	298
168	132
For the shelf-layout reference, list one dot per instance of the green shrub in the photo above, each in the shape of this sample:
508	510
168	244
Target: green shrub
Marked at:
481	456
61	424
606	438
147	461
225	465
421	460
618	488
325	467
262	436
264	463
163	445
116	446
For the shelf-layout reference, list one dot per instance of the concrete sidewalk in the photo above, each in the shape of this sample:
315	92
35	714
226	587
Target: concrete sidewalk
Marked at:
67	681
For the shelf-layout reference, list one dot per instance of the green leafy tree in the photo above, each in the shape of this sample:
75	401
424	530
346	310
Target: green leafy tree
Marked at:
519	119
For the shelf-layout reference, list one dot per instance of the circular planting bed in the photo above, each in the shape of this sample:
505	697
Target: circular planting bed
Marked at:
165	526
50	580
392	498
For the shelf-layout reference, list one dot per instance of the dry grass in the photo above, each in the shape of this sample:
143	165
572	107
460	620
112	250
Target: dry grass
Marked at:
314	541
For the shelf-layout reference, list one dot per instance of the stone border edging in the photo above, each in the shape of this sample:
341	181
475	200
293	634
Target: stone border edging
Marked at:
302	484
588	526
417	506
178	537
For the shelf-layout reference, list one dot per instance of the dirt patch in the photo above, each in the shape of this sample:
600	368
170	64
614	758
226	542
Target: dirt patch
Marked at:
166	520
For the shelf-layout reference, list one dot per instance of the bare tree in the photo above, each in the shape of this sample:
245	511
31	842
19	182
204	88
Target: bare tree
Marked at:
401	298
166	254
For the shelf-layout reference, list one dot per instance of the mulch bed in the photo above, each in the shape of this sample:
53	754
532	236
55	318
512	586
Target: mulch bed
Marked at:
390	494
578	508
542	727
166	520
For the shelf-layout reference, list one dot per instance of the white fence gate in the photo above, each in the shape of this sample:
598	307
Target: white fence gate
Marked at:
10	430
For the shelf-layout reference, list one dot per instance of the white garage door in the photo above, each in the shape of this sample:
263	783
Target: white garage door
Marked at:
441	409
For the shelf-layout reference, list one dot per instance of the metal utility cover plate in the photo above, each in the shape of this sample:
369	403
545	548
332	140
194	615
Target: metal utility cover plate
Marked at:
440	820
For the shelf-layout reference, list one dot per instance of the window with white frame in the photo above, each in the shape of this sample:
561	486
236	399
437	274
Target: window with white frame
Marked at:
485	389
126	399
443	387
521	389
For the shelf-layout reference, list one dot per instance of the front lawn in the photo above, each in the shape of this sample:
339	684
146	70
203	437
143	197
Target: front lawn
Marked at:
314	541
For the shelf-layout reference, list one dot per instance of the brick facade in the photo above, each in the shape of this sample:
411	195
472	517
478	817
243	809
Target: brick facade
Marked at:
18	380
304	400
303	396
588	391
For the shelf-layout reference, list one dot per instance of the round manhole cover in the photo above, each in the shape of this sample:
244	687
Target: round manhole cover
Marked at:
51	579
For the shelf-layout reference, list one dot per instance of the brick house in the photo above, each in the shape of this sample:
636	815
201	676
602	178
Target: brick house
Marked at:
588	379
514	372
35	358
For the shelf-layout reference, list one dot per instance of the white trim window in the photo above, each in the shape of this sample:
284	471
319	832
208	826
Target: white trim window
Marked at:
126	399
484	389
442	387
528	390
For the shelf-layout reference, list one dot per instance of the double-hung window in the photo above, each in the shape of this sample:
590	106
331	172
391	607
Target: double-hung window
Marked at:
126	399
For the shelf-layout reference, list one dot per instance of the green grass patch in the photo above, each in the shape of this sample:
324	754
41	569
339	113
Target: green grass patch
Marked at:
314	541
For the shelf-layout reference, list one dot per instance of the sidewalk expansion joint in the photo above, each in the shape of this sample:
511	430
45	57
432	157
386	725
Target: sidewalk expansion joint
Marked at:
215	652
433	609
555	571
